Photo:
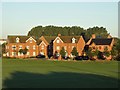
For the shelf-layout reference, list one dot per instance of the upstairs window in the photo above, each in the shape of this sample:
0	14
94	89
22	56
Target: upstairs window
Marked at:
30	40
13	47
58	48
34	47
73	40
17	40
42	47
20	47
58	41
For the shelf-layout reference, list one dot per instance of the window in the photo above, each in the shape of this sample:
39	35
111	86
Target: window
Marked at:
27	47
58	41
13	47
13	53
34	54
7	53
58	47
17	40
73	40
42	47
28	53
30	40
99	47
34	47
20	47
65	47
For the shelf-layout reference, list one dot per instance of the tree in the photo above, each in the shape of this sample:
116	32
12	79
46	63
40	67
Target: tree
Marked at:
74	52
106	52
114	52
24	51
89	52
118	49
95	53
62	52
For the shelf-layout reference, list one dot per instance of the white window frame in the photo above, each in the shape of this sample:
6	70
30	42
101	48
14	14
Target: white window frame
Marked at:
42	47
20	46
73	40
65	47
34	53
34	47
13	53
27	47
30	40
13	47
57	47
17	40
28	53
58	41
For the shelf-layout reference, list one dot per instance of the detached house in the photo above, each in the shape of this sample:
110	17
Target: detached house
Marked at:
49	45
101	43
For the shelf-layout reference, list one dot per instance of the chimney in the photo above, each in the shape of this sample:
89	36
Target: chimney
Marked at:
93	36
59	35
109	36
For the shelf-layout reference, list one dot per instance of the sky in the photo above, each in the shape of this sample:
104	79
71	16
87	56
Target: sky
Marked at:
18	18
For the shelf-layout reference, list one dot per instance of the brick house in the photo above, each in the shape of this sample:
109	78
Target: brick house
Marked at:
68	42
101	43
15	43
49	45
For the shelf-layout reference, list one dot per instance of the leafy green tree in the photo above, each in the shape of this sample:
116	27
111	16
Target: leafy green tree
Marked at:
106	52
62	52
95	53
21	51
114	52
24	51
89	52
74	52
3	48
118	50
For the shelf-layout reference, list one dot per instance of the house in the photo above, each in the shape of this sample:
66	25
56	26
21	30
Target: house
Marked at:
15	43
101	43
50	45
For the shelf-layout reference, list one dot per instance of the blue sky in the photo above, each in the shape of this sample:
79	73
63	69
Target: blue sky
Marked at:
19	17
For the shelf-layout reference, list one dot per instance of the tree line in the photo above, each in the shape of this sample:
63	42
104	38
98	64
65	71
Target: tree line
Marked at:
67	31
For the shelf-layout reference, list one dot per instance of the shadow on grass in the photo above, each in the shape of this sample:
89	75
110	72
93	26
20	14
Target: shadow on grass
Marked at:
58	80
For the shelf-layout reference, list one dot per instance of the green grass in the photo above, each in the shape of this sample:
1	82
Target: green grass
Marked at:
49	74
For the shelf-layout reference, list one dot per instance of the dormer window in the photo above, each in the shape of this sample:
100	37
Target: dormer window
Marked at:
17	40
58	41
73	40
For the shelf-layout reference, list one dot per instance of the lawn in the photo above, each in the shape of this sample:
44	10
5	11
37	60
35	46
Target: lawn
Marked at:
19	73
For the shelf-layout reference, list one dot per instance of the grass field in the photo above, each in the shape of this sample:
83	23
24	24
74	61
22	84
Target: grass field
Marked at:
18	73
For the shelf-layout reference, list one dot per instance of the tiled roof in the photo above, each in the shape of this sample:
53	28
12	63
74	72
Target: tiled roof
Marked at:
68	39
12	39
39	41
101	41
49	38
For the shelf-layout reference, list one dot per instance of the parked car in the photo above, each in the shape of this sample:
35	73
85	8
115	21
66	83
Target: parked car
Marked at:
66	58
40	56
78	58
85	57
81	58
